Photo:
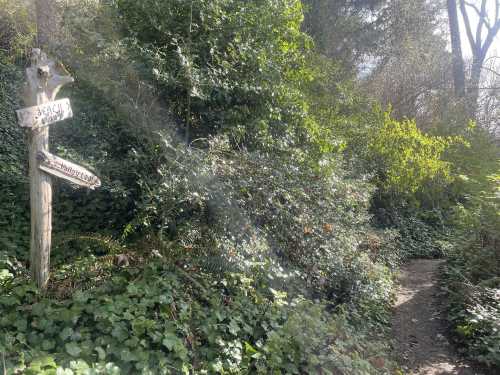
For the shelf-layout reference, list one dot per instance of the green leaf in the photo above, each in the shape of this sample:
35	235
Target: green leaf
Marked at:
81	297
73	349
48	345
64	371
100	353
249	349
170	340
66	333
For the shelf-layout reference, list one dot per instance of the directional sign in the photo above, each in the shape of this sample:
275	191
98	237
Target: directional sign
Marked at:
69	171
44	114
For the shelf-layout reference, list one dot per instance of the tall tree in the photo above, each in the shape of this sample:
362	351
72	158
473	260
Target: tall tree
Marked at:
412	64
480	42
456	49
344	30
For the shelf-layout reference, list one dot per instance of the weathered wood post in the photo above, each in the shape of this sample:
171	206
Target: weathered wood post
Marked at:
45	79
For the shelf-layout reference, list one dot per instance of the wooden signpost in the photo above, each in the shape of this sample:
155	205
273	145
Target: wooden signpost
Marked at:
44	114
45	79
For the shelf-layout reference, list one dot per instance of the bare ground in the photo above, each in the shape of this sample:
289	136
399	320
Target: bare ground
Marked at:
418	325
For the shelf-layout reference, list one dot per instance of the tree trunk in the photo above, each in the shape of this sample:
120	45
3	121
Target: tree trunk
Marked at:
473	88
456	48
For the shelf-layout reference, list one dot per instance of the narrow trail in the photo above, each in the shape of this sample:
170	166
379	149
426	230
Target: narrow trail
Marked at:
418	325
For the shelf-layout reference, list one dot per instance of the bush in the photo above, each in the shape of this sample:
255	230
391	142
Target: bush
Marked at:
14	189
17	30
409	165
226	66
272	263
473	278
474	307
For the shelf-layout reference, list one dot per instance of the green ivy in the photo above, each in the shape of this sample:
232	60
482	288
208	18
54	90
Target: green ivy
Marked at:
161	319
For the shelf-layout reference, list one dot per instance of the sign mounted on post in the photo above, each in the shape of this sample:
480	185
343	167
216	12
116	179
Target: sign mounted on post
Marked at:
66	170
45	78
44	114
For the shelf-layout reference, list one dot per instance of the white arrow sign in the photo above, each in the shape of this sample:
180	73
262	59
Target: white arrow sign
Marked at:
69	171
44	114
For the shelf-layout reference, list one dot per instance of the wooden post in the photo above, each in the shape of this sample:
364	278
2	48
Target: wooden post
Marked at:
45	79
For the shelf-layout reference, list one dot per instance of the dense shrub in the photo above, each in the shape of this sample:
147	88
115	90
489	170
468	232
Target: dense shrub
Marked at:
14	190
251	205
229	66
474	306
472	277
409	165
17	29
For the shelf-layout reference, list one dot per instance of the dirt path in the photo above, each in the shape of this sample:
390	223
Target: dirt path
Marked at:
418	327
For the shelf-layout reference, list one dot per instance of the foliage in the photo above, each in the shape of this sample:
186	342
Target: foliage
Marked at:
161	319
250	205
344	31
241	169
98	139
17	29
226	67
411	72
473	276
474	302
409	164
14	219
422	237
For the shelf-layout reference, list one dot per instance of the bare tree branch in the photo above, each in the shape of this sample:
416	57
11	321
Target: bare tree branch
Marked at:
468	29
489	39
479	28
497	9
490	70
491	58
473	6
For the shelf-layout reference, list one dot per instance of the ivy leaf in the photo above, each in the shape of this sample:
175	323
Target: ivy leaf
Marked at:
79	366
66	333
48	345
100	353
249	349
73	349
218	366
234	328
63	371
81	297
21	324
169	341
43	363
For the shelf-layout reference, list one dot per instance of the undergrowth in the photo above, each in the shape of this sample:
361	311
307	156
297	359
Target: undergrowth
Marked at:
159	318
472	282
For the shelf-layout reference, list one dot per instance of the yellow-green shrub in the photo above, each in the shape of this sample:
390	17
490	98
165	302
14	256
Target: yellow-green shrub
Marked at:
408	164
